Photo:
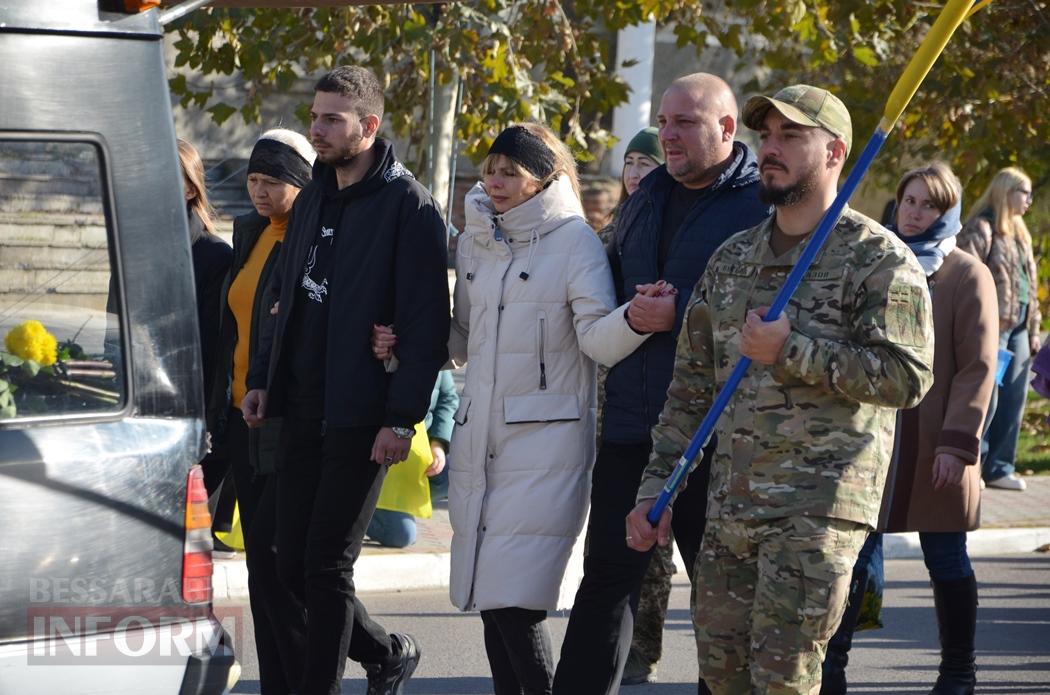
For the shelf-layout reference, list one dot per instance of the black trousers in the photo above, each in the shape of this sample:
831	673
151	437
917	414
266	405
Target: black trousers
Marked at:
278	615
601	625
326	491
279	618
518	644
248	485
216	467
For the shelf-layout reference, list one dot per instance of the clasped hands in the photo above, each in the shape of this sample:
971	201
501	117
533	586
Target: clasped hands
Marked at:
652	309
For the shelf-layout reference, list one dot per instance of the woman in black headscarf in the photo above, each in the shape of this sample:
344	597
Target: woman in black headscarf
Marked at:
279	167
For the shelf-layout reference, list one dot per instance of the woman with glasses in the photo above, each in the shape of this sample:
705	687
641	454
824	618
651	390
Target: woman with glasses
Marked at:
996	234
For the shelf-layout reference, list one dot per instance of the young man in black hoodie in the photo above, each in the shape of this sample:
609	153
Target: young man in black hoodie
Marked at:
365	246
705	192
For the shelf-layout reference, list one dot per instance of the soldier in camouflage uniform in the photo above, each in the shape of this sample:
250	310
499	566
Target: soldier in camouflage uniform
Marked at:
805	442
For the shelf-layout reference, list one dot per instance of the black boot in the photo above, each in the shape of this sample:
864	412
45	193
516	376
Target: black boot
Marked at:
956	604
833	670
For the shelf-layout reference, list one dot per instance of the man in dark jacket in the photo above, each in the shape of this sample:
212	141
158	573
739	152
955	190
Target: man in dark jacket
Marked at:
365	245
706	191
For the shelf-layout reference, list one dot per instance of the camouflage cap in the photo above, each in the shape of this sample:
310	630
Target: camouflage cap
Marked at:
804	105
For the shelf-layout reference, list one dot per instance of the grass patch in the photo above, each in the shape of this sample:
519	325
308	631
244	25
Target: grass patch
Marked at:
1033	448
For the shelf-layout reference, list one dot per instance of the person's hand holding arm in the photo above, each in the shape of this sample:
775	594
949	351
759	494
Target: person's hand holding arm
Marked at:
652	310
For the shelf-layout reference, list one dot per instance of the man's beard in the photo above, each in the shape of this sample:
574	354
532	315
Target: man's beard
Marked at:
345	156
792	193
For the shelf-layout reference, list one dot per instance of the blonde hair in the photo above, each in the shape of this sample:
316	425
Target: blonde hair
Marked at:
945	189
564	162
996	198
193	172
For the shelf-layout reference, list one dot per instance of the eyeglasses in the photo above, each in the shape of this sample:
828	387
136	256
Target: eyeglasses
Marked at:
1027	193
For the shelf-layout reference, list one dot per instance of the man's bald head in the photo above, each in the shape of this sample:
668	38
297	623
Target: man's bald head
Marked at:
711	90
697	121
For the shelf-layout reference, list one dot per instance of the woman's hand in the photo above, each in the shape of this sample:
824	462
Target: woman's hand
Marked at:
1035	343
383	342
253	407
652	310
439	459
947	470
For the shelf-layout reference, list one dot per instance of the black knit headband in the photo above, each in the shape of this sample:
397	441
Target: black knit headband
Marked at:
526	149
281	161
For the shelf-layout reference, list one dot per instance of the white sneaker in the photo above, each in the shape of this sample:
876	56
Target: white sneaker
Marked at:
1009	482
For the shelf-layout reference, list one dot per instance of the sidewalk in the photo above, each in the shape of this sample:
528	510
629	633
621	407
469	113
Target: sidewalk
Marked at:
1011	522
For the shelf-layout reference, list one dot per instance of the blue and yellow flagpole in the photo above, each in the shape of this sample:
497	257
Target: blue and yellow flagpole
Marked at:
954	13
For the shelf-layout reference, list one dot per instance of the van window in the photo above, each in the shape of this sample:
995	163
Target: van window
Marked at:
60	335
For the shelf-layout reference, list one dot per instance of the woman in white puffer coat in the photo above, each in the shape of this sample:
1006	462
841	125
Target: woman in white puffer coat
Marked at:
534	310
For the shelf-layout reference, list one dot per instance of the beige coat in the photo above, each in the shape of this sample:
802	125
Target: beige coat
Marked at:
951	416
534	308
1004	257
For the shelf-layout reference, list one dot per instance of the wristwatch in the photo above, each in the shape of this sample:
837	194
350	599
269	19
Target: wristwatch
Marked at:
403	432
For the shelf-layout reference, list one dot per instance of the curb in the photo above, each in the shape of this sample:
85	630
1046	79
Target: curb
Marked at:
388	571
979	543
421	571
373	572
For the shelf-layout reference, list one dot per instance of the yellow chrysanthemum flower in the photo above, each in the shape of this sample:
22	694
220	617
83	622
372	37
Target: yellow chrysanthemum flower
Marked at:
31	341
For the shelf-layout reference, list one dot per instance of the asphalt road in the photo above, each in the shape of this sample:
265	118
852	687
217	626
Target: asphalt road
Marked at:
1013	637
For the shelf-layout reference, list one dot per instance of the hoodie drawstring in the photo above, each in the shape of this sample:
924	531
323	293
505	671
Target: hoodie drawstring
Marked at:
534	243
470	257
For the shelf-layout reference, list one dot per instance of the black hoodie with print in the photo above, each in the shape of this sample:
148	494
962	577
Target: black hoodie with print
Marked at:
371	253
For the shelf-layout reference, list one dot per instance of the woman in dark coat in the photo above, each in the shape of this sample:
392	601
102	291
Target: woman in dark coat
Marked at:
211	261
279	167
934	481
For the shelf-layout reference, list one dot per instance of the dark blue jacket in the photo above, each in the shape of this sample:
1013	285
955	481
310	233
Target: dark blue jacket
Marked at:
637	387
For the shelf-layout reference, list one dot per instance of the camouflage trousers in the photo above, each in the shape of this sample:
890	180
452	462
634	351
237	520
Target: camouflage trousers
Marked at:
647	642
772	593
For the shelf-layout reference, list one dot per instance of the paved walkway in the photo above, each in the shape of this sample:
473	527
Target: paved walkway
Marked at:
1009	509
1010	522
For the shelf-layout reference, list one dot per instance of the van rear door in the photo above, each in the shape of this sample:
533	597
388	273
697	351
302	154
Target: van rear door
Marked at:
95	447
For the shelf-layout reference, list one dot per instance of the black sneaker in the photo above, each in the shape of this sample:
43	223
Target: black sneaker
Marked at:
388	679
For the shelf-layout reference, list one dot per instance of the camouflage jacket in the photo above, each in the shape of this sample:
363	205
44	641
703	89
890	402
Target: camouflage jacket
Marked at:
813	433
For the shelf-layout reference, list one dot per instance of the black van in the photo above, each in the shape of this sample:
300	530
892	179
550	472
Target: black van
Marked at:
105	547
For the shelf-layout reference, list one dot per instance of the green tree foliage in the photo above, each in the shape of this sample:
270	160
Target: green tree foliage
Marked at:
983	106
517	59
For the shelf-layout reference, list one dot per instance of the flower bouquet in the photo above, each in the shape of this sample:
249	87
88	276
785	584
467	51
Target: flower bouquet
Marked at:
42	376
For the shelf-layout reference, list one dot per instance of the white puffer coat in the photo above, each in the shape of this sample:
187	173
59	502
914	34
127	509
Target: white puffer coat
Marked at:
534	308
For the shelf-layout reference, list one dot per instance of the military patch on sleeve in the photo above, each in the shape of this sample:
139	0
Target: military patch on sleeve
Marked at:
904	314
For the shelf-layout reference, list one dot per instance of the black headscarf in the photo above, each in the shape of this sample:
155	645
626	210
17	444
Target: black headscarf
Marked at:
525	148
281	161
